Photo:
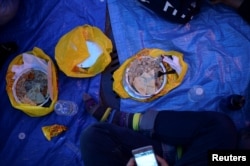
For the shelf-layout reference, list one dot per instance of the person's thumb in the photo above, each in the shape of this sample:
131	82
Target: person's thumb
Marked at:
131	162
161	161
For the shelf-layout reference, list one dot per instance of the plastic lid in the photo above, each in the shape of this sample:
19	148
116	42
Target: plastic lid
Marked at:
21	135
199	91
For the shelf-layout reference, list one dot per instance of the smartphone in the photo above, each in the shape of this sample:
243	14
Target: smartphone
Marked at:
145	156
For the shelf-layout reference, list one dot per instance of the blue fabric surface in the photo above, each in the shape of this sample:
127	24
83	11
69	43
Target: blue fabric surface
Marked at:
41	23
215	45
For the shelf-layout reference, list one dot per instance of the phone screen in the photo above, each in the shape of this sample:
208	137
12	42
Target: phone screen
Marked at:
145	156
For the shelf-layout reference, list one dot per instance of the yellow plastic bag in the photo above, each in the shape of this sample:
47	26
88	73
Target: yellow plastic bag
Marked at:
173	80
71	50
33	110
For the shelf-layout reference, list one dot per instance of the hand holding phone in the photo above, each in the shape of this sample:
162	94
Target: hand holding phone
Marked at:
145	156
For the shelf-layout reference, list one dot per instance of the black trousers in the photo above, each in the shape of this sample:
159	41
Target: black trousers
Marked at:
196	132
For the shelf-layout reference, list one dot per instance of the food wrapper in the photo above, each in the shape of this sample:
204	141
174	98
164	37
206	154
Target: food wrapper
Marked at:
53	130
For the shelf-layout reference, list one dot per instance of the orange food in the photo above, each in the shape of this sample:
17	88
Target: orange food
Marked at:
53	130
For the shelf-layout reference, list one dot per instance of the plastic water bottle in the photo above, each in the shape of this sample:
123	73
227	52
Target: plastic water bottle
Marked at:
67	108
232	102
196	93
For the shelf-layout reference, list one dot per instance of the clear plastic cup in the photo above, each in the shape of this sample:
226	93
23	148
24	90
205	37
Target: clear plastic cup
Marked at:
67	108
196	93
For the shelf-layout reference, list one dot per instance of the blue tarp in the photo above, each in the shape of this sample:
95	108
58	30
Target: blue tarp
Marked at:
215	44
41	24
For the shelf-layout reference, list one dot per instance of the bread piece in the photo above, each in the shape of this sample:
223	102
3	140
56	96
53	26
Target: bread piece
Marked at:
145	84
151	82
140	85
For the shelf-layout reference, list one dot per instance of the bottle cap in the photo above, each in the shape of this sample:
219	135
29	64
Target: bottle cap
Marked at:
199	91
21	135
196	93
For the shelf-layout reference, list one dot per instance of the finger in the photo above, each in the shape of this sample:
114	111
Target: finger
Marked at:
161	161
131	162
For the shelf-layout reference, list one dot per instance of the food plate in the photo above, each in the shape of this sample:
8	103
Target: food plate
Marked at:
31	87
145	70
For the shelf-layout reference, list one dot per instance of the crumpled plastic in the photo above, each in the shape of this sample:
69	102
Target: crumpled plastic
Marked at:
72	50
173	80
29	61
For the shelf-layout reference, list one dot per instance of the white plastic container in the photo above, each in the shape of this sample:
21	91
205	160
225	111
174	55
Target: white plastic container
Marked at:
66	108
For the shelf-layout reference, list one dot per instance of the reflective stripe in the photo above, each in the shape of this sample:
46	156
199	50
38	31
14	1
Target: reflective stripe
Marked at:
136	119
106	114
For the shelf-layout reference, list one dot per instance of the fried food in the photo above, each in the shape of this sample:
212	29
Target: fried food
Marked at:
53	131
145	84
142	75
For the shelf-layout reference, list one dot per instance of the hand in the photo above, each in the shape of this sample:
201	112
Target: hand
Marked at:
162	162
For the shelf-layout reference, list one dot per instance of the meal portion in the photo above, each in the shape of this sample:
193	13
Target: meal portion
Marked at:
142	75
31	87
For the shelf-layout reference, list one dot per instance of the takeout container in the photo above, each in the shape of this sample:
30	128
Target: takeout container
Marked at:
27	87
172	80
131	90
